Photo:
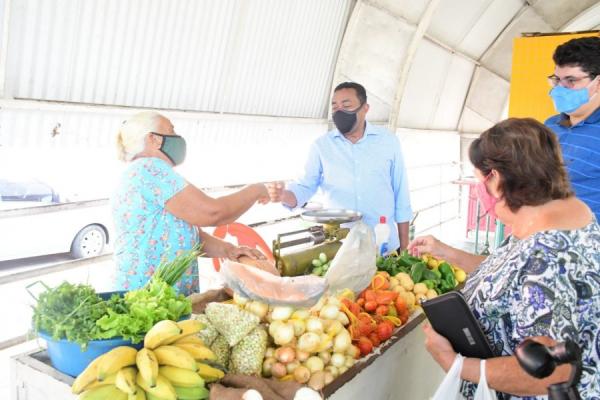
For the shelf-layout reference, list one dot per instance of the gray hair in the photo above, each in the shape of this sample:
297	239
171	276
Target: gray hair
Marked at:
131	136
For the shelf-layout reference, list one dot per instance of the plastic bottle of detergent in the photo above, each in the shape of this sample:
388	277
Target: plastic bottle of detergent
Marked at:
382	236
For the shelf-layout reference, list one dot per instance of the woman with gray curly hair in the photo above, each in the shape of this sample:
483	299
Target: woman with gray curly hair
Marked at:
158	214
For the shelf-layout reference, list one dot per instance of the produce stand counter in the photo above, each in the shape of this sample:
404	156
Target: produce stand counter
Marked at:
400	368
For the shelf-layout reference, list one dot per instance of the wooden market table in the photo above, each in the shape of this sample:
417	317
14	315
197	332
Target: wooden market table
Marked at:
399	369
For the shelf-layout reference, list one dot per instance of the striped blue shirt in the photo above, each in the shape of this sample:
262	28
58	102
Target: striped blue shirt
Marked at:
581	152
368	176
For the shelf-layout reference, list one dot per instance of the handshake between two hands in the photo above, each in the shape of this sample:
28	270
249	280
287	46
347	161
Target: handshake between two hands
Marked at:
273	192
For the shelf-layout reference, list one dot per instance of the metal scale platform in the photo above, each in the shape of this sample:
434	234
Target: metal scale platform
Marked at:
324	238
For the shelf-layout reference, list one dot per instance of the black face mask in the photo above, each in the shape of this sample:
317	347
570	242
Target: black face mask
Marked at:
345	121
174	147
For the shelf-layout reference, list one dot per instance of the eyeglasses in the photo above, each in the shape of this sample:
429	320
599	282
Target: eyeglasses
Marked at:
569	81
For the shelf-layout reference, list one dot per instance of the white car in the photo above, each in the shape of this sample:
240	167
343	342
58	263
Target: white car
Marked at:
35	221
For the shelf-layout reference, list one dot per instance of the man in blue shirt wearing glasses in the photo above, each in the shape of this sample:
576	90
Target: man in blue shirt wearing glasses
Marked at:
576	95
357	166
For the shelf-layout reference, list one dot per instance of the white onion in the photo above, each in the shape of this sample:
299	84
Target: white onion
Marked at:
325	356
338	360
325	342
301	314
281	313
301	374
302	355
257	308
343	318
267	365
332	370
329	377
283	334
334	328
329	312
274	326
299	326
353	351
285	354
291	367
349	361
314	324
278	370
317	380
308	342
342	341
314	364
326	324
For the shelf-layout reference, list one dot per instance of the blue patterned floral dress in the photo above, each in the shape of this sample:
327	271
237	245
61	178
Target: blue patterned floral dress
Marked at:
146	233
545	285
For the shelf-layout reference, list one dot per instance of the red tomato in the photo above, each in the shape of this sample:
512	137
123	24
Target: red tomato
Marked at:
370	306
374	338
382	310
401	306
365	345
384	330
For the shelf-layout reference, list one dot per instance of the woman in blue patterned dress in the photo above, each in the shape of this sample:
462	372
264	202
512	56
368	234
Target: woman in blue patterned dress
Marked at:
544	280
158	214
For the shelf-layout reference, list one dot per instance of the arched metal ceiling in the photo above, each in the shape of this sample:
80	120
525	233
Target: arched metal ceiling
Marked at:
445	65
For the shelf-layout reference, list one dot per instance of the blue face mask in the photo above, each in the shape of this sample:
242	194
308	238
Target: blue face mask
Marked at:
568	100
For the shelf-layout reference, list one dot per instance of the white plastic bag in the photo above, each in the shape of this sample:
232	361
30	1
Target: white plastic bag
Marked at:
483	391
449	389
353	266
256	284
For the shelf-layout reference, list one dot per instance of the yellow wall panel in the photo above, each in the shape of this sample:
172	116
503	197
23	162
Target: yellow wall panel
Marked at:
531	65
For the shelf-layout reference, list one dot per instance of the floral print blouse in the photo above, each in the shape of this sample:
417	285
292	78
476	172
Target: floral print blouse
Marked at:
546	284
146	233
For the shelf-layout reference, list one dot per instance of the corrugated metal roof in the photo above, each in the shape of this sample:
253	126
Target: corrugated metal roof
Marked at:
233	56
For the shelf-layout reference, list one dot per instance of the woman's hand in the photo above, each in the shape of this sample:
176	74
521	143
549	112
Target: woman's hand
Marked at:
439	347
427	245
263	197
234	252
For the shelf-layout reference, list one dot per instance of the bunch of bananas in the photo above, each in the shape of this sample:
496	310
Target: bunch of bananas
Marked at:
172	365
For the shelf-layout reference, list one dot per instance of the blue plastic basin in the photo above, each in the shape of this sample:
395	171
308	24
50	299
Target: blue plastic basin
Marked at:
67	357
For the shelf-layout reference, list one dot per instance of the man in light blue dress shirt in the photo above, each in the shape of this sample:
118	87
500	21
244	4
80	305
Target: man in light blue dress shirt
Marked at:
357	166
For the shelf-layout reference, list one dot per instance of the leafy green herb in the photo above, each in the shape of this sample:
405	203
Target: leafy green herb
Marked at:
78	314
69	312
